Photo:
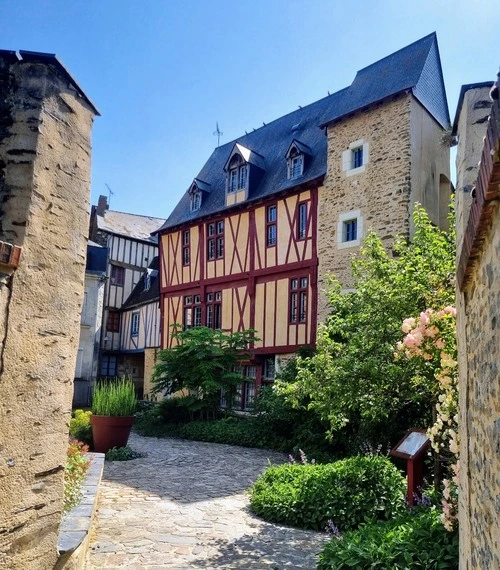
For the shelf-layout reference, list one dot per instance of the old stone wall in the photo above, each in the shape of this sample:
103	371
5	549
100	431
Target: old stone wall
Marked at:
44	195
479	369
150	355
478	314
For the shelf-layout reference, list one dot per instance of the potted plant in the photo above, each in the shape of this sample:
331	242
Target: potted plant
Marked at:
113	407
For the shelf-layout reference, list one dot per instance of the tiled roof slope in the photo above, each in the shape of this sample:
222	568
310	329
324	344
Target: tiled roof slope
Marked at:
416	67
139	295
130	225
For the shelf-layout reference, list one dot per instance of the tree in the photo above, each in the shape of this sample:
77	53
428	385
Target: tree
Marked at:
353	381
202	362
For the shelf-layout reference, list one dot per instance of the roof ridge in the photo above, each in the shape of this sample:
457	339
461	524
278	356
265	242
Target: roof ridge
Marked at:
132	214
432	34
302	108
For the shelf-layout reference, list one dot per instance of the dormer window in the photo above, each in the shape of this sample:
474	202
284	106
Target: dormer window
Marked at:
196	191
295	166
296	158
195	201
238	174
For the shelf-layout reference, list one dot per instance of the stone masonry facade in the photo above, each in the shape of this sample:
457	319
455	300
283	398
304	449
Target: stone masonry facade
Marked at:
382	195
45	126
478	313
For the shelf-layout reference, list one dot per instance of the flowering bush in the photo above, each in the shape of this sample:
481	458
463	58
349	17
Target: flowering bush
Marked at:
431	338
74	473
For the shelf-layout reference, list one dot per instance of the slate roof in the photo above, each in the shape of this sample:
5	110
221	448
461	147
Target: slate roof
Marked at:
139	295
415	68
130	225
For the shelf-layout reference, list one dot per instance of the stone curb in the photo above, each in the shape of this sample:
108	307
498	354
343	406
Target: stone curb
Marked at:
75	525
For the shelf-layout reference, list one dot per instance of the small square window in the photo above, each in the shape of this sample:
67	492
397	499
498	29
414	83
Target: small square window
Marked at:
117	275
350	230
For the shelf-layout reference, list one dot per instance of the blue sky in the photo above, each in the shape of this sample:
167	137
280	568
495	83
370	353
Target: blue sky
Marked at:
162	72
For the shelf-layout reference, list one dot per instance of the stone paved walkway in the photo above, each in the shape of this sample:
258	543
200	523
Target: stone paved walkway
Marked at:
184	506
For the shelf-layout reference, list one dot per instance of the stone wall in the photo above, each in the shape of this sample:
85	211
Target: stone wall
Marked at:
44	194
400	170
150	355
478	314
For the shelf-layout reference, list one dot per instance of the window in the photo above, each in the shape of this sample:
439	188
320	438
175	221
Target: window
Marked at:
302	221
269	369
295	164
195	200
108	366
237	174
271	229
349	229
113	324
134	324
298	300
192	311
215	242
355	158
117	275
214	310
186	238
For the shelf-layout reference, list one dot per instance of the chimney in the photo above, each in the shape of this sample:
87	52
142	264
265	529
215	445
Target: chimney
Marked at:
102	205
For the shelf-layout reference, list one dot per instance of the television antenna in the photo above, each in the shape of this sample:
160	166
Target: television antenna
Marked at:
110	194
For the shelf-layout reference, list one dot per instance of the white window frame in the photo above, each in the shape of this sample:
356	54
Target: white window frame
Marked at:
344	218
195	200
348	158
295	166
134	323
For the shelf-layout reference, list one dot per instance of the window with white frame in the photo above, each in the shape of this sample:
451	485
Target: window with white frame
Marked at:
349	229
295	164
134	324
237	174
192	311
195	200
355	157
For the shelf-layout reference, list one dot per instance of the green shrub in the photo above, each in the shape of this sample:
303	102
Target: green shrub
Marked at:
415	540
74	473
231	430
114	398
122	454
349	492
80	428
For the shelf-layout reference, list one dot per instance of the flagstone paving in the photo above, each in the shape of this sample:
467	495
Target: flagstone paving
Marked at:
184	506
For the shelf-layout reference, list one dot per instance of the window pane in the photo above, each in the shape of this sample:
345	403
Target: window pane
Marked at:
217	316
218	296
294	283
302	221
220	227
297	166
197	317
357	157
187	317
220	247
242	182
210	321
210	297
197	299
233	177
271	213
271	234
185	256
211	249
117	275
293	307
211	229
350	230
188	300
303	283
185	237
303	306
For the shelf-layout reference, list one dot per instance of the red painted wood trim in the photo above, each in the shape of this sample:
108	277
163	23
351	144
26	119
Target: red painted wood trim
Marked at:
314	269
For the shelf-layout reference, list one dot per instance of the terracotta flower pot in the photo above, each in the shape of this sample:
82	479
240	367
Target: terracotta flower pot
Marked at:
110	431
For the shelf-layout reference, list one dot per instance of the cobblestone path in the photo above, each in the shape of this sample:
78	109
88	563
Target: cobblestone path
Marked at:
184	506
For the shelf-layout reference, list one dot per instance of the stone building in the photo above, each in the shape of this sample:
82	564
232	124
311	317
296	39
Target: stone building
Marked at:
477	126
90	324
45	126
278	208
131	249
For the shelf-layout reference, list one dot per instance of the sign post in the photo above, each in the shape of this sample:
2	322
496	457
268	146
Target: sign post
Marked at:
412	448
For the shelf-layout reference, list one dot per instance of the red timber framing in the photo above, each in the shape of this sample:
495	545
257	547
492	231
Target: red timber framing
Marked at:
253	278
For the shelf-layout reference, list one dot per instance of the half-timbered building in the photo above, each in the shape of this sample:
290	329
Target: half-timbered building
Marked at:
140	328
275	210
131	249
